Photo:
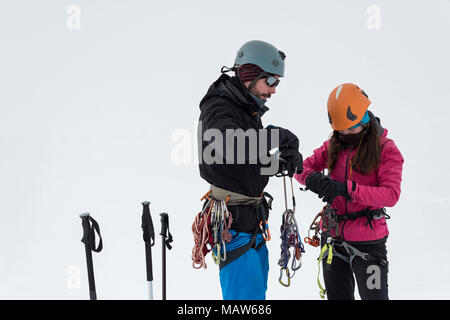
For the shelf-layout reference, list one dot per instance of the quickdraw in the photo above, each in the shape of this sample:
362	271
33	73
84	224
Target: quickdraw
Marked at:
210	230
290	239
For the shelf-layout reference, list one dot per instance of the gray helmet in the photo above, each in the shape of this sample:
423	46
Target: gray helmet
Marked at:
262	54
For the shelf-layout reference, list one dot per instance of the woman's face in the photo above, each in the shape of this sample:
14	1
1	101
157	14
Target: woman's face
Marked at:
351	131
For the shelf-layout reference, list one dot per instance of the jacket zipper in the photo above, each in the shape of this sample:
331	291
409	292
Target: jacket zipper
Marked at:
345	182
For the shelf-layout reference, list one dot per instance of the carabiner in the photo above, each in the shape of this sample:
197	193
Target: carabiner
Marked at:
280	279
216	255
224	255
265	230
206	195
297	254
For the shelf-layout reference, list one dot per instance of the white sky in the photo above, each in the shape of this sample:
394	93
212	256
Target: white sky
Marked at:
88	116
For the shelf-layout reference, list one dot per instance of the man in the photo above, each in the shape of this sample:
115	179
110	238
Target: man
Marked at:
236	104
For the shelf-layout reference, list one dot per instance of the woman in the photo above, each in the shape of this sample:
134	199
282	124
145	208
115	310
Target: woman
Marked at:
364	177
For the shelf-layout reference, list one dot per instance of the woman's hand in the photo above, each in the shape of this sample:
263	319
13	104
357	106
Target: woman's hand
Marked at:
326	188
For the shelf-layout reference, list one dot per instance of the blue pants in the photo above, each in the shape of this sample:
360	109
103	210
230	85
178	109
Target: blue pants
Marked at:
245	278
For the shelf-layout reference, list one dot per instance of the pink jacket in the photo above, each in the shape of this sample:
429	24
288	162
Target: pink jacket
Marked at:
379	189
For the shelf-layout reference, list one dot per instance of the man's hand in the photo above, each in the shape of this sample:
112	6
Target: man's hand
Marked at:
291	161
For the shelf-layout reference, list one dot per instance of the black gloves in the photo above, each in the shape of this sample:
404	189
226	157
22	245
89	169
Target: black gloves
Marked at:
291	159
325	187
286	138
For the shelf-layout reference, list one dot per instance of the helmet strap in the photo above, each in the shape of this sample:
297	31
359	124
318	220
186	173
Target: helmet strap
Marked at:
226	69
252	84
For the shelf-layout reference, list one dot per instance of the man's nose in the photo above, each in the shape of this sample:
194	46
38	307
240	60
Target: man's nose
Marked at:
273	90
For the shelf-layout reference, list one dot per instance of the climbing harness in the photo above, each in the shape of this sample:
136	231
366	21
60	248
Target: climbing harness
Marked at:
290	239
211	226
326	226
327	222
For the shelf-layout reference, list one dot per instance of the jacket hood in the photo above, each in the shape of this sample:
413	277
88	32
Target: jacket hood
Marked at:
381	131
232	88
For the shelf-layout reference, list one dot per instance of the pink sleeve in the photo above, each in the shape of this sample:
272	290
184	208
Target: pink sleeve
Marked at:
315	163
387	193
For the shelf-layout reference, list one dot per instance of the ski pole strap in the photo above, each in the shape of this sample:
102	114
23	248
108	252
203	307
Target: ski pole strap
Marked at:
165	231
89	232
147	225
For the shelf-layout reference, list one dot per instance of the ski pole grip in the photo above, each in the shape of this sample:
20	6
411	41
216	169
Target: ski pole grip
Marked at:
147	225
164	224
86	227
165	233
146	204
89	232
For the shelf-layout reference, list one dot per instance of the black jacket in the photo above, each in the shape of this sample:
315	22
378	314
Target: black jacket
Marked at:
227	105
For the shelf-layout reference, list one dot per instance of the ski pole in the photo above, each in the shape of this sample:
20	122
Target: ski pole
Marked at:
166	240
149	239
89	245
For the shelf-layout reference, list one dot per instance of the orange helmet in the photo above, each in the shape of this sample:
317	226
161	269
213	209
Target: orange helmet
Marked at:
347	105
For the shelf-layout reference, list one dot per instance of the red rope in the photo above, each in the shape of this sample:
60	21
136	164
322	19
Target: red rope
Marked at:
200	229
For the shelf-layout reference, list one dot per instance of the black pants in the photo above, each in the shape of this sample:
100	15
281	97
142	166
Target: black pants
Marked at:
371	275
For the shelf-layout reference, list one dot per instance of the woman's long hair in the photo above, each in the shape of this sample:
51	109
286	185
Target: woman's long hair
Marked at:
368	154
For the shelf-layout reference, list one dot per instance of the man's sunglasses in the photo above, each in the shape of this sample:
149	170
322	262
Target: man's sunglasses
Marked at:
271	81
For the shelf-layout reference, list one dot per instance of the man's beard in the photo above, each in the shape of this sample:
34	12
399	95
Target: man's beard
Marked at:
259	95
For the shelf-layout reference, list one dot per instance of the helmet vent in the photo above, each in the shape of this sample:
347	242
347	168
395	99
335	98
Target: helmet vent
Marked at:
338	92
350	115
